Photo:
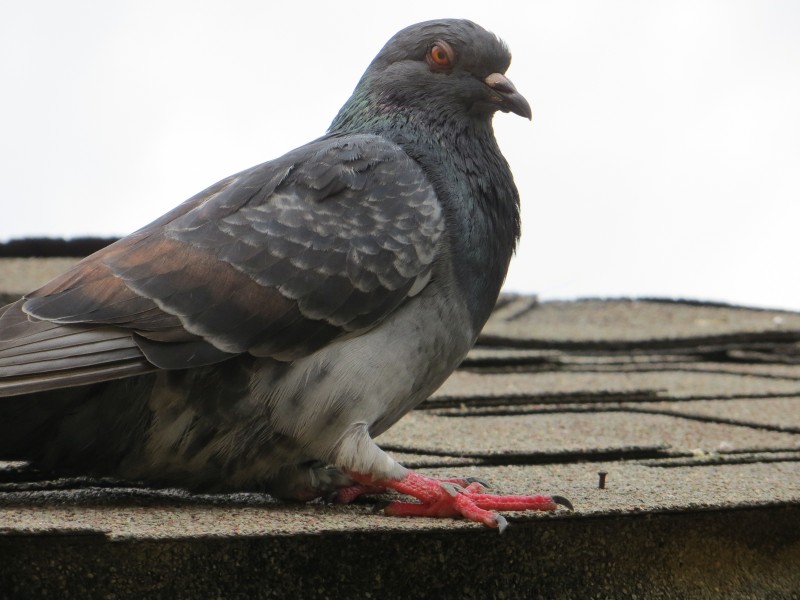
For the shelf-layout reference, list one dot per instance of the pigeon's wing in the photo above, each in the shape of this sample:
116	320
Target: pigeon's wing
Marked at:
276	261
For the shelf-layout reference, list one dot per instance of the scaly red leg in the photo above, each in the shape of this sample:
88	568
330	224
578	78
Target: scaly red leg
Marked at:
448	498
347	494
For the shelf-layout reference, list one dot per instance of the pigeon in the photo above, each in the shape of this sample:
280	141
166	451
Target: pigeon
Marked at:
261	335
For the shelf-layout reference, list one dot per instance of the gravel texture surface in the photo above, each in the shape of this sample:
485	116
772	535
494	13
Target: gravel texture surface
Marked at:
691	410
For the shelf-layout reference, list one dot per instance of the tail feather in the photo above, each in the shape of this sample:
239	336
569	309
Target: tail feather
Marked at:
36	356
87	429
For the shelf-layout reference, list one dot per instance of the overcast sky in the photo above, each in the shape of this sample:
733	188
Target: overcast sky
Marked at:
663	158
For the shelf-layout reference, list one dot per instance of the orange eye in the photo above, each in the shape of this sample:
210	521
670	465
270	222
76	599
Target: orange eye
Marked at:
440	55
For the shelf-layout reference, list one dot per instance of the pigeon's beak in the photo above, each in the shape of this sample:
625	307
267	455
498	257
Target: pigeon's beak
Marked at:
508	98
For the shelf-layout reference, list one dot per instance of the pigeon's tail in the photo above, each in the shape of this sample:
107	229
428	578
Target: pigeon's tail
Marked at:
28	422
36	356
83	429
65	392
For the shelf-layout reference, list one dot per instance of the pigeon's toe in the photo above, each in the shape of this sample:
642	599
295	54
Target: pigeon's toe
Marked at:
448	498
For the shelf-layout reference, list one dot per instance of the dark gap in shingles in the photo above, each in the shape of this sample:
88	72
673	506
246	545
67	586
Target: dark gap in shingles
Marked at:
724	460
638	300
757	352
483	364
22	485
778	450
718	420
762	353
20	471
128	496
511	412
792	357
573	457
443	464
546	458
712	345
690	302
30	481
600	398
635	359
742	455
651	368
532	304
613	367
505	300
440	402
498	368
597	349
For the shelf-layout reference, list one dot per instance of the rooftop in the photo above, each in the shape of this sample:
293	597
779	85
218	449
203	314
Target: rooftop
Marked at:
691	410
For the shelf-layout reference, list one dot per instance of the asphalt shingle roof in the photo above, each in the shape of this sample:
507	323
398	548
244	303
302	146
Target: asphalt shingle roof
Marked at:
692	410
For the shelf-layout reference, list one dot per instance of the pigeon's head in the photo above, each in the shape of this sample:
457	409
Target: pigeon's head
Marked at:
441	69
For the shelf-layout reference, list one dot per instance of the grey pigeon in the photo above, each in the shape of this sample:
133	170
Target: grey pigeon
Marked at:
262	333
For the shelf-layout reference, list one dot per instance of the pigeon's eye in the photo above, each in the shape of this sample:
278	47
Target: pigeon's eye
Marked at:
440	56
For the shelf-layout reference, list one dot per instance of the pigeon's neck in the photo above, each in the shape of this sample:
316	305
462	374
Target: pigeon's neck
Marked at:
473	182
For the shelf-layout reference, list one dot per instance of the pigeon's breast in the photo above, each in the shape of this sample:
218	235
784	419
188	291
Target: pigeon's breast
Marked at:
374	378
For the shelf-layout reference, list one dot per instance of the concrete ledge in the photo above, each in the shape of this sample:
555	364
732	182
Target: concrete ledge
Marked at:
751	553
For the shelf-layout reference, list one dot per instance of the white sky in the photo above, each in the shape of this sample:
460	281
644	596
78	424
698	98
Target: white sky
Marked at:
663	158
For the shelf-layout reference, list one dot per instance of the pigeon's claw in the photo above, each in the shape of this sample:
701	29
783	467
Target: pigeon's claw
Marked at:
468	482
563	502
482	482
501	524
451	488
450	498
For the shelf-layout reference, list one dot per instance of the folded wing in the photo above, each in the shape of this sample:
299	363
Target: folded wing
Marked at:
276	261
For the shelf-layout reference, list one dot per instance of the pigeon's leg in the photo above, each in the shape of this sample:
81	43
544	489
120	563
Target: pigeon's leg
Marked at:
444	499
347	494
437	498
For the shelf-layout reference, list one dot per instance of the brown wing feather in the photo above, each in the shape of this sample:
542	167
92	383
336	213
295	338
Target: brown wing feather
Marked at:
39	355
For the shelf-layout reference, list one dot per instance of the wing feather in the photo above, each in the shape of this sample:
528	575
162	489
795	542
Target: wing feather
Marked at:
276	261
40	355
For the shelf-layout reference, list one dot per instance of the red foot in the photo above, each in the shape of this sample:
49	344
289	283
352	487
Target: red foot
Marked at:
347	494
448	498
